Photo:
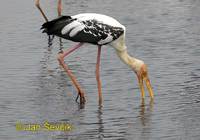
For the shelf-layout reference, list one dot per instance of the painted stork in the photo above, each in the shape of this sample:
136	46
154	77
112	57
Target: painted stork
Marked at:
99	30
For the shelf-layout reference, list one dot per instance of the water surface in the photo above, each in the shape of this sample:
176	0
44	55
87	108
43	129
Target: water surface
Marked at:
165	34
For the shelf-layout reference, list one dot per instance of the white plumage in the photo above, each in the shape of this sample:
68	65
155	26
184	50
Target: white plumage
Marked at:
100	18
71	26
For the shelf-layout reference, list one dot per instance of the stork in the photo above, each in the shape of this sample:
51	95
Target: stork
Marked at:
99	30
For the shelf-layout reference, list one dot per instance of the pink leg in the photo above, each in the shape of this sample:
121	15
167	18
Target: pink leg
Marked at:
98	74
59	8
68	71
37	3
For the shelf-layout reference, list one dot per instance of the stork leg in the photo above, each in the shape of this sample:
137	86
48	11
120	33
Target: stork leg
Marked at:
98	75
37	4
69	73
59	10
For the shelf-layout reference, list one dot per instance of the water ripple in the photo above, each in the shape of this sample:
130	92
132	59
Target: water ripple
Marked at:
34	89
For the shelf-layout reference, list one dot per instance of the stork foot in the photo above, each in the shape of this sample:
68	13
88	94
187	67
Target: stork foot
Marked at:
82	98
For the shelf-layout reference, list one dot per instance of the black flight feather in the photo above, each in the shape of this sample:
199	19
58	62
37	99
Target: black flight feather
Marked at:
53	26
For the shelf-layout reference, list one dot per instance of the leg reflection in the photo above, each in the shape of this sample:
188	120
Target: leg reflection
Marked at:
61	45
50	40
145	113
100	122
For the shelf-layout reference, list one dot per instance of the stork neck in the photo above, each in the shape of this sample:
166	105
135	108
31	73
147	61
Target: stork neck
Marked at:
134	63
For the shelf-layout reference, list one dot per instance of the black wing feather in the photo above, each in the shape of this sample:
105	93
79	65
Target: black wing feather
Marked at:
93	31
54	27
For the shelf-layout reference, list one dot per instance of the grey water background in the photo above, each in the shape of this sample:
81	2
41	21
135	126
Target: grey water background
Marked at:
33	88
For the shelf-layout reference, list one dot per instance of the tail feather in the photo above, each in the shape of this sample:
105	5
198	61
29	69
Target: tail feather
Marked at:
52	27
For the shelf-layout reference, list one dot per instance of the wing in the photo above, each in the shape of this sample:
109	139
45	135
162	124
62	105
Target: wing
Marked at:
91	31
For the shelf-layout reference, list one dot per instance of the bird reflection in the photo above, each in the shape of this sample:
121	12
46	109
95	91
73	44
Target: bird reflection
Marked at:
61	45
80	106
50	43
145	112
100	122
50	40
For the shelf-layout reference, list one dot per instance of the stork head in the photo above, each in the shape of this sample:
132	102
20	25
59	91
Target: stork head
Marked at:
140	68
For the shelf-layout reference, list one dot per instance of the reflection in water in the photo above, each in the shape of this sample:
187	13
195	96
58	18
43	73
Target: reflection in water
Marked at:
145	118
50	42
80	106
165	34
100	122
60	44
145	113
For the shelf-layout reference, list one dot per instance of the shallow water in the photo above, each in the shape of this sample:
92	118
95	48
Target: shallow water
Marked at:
33	88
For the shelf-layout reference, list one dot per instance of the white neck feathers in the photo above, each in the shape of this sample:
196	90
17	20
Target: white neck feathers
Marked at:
134	63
